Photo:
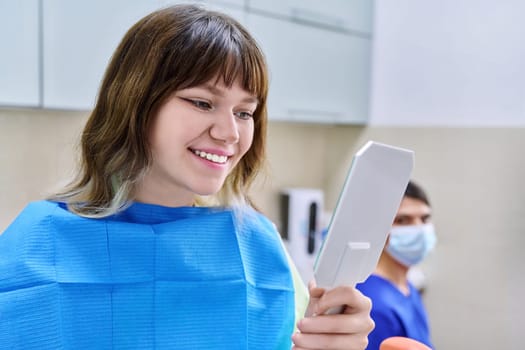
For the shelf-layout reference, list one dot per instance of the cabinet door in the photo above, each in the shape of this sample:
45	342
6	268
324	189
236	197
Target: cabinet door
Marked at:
235	3
79	38
349	15
234	8
19	67
208	3
316	75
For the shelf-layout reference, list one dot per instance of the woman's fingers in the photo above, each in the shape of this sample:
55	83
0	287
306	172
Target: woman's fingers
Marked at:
353	300
329	341
348	330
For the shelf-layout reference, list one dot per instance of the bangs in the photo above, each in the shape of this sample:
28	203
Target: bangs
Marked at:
239	62
217	49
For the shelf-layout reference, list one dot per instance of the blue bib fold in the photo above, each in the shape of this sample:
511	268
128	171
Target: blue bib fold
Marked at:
150	277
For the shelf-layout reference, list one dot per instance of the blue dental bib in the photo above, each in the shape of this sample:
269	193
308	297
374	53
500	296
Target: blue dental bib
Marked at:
150	277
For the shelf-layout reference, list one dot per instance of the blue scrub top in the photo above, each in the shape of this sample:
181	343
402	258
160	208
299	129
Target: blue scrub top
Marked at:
394	313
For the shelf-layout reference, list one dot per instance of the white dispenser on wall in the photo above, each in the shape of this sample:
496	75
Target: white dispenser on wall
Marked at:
302	224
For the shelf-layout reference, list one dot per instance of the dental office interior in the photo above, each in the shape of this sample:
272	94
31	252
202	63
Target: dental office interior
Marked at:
444	78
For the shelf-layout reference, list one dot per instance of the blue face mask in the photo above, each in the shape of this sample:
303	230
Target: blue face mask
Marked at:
409	245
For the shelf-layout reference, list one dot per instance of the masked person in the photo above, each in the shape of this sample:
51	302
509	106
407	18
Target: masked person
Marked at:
155	244
397	308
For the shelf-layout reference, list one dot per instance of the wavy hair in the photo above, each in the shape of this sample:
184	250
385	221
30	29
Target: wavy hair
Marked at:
168	50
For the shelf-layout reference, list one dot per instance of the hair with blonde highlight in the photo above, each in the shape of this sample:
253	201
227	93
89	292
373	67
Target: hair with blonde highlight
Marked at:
170	49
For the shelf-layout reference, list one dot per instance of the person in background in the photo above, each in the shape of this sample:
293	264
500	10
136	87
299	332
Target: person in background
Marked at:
397	308
156	243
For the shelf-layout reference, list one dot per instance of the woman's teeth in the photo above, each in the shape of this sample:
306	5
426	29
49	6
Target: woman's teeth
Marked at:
211	157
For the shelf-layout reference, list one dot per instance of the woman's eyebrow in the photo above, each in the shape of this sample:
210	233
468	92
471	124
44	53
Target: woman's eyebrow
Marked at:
220	92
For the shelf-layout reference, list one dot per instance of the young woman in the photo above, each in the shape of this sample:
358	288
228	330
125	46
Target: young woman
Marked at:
156	245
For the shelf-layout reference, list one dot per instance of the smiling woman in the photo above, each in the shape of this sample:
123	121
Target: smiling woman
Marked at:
194	56
127	256
197	138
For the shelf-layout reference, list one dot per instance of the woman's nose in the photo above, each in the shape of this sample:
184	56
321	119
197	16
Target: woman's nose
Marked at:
225	128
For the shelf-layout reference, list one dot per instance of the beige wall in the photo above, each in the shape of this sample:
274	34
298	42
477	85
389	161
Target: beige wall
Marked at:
36	155
474	178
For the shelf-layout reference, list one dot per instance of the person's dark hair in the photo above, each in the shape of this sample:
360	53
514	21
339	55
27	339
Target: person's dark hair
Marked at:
415	191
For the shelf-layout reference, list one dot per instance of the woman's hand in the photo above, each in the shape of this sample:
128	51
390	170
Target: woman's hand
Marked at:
347	330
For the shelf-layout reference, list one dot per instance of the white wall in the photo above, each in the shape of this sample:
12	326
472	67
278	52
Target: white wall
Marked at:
449	63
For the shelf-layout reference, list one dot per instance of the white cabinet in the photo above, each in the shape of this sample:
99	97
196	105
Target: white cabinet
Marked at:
219	4
78	40
19	61
350	15
229	8
230	2
316	75
319	72
234	8
222	3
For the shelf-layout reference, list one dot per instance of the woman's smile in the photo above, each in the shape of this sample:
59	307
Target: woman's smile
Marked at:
214	157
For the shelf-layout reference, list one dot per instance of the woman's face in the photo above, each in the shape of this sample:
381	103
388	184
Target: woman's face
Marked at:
197	137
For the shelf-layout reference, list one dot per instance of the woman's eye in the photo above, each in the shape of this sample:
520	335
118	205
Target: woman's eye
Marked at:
244	115
205	106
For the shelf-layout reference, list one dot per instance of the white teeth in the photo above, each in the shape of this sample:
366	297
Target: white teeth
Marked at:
211	157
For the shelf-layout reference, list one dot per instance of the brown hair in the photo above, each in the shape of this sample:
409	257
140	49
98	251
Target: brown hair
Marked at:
170	49
415	191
